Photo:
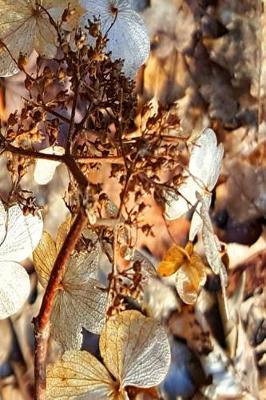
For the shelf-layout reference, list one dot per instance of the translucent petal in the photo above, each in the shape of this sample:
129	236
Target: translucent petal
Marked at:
62	232
178	205
78	374
189	278
173	259
79	301
14	288
22	234
2	222
44	257
22	29
77	305
196	221
205	159
45	169
135	349
128	37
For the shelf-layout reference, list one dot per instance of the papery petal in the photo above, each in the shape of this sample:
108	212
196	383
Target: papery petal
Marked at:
16	29
14	288
178	205
44	257
45	169
127	34
77	305
205	160
80	302
23	233
196	221
79	375
189	278
135	349
2	222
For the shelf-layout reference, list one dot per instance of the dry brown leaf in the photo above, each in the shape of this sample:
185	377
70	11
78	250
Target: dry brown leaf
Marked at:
135	350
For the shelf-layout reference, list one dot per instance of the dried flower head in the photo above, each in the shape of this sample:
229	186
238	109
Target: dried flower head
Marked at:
189	268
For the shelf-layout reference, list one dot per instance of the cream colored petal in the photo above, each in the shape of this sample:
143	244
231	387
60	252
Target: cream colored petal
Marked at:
14	288
45	169
79	375
135	349
16	31
22	235
205	159
128	38
45	40
179	204
62	232
196	221
82	266
189	279
44	257
77	305
3	217
65	328
211	245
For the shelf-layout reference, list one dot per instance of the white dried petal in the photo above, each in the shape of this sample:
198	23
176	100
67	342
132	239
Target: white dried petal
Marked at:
196	221
45	169
22	234
205	160
178	205
80	302
127	34
211	245
77	373
135	349
25	27
204	170
14	288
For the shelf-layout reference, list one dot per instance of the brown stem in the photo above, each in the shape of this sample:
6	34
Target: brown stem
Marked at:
108	160
72	119
54	157
42	322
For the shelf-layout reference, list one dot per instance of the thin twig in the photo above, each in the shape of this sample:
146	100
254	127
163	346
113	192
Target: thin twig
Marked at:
42	322
72	119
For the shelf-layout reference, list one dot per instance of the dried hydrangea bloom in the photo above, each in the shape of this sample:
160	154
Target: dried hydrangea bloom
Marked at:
25	26
204	170
79	302
45	169
127	35
189	269
19	235
135	351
